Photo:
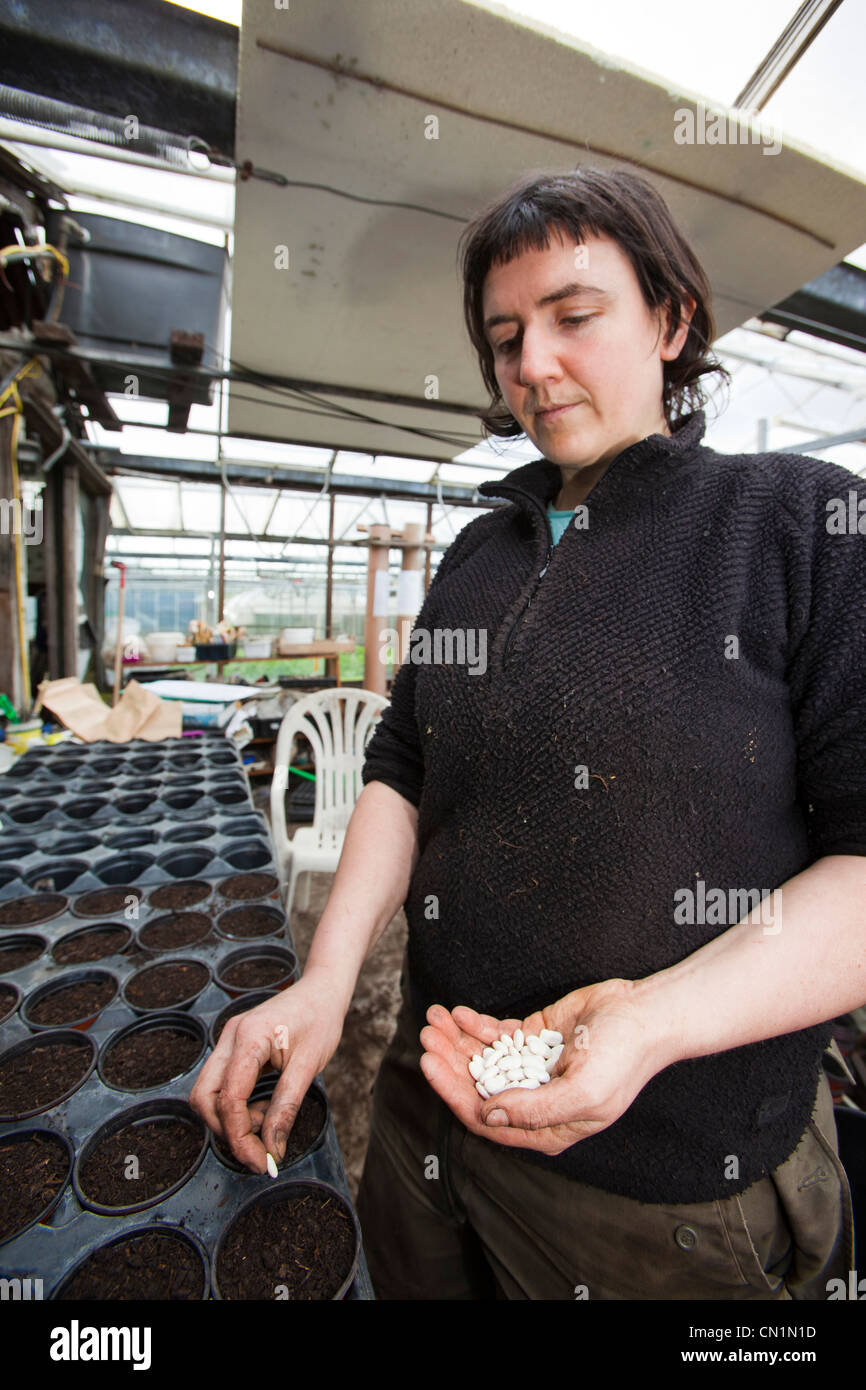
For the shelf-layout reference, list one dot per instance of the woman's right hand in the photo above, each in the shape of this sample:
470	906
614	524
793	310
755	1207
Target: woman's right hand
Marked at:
298	1032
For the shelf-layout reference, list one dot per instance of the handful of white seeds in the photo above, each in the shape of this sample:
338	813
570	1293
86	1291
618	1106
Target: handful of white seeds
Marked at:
516	1061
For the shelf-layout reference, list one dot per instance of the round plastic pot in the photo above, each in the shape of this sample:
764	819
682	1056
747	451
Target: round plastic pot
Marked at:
180	1004
183	1023
189	833
250	856
276	1194
147	763
86	931
170	1232
37	907
17	849
87	904
63	767
238	1006
185	863
138	805
183	800
161	1109
107	767
232	796
144	934
28	813
53	877
9	943
280	954
73	977
7	1010
131	839
74	844
124	868
263	1090
251	826
85	809
19	1137
222	758
58	1035
226	919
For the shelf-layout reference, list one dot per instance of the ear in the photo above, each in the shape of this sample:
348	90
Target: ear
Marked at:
670	350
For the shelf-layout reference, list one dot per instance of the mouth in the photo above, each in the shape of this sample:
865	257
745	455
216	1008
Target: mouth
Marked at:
556	411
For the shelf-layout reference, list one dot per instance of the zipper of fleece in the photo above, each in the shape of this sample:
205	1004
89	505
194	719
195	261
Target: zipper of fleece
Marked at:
524	610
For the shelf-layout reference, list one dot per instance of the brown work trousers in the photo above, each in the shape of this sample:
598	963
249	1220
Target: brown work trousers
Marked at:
446	1214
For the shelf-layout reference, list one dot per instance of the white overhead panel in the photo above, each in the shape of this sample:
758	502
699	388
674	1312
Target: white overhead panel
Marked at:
345	96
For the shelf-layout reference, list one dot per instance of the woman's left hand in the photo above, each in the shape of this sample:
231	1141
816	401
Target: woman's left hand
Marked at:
607	1060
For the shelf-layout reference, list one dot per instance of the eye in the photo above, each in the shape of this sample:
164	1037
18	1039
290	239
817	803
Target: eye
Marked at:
508	346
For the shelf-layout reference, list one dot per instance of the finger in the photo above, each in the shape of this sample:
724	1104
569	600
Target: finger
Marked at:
203	1098
439	1018
285	1103
464	1101
457	1091
258	1109
557	1103
456	1054
241	1075
483	1026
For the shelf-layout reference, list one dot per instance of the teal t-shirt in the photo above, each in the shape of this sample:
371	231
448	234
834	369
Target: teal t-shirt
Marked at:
558	521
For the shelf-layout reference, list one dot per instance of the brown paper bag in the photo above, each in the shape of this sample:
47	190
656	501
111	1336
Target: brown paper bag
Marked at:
138	713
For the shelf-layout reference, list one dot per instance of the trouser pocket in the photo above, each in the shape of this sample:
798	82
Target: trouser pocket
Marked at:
805	1203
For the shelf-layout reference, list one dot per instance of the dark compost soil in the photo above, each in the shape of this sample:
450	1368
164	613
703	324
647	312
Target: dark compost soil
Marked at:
149	1058
306	1242
32	1172
165	1149
149	1266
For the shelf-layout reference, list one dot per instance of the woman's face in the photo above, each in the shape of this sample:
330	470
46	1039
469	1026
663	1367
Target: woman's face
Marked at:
606	367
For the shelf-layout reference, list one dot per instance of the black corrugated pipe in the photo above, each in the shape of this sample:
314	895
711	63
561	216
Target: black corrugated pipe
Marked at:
106	130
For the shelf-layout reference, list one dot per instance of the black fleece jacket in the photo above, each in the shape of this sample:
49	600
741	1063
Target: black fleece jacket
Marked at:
698	645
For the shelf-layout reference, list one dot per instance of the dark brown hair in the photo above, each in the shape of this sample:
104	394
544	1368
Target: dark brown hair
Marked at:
613	203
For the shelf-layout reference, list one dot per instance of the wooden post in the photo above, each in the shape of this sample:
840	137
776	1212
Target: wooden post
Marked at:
69	571
10	680
51	502
377	607
332	663
221	588
410	594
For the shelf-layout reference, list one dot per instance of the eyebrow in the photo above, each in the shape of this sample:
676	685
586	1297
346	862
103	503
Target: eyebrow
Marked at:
573	290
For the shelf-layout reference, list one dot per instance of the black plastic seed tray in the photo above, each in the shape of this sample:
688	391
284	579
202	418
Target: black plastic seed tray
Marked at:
213	951
145	862
202	1206
143	806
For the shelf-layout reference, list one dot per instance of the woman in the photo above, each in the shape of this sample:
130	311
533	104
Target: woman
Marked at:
598	832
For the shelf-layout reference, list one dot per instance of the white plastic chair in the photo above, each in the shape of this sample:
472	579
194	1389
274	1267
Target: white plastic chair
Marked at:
338	724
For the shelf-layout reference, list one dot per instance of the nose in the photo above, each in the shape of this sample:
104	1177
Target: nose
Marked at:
538	358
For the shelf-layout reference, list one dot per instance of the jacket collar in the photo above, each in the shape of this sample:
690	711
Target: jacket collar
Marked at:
541	480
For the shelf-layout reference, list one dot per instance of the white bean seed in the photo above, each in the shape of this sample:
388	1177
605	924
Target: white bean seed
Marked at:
549	1036
499	1083
488	1055
518	1038
272	1166
535	1045
485	1094
476	1067
530	1084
